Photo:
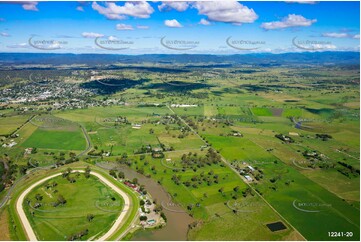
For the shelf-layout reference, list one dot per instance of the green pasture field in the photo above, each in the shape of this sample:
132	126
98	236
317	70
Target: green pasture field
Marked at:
54	139
292	112
59	223
10	124
189	142
171	137
189	111
238	148
133	113
210	110
289	153
124	139
243	225
261	111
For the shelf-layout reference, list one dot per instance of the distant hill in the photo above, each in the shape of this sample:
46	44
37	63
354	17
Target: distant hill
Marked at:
262	59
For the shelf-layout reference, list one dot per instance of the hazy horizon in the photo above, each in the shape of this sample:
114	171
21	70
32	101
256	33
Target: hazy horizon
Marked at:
221	27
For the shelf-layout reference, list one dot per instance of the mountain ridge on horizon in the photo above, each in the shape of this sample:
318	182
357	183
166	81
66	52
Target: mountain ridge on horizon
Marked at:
325	57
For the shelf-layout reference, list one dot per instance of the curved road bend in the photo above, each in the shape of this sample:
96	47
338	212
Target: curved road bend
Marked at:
29	230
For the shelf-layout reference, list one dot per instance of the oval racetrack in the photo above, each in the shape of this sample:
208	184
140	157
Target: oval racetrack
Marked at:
29	230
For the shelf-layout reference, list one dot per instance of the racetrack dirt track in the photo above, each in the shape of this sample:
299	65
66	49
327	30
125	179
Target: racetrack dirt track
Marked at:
29	230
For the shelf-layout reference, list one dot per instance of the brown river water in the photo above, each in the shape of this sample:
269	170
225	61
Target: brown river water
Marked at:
177	218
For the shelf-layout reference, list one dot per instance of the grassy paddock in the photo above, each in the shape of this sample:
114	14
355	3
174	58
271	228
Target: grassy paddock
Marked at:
17	232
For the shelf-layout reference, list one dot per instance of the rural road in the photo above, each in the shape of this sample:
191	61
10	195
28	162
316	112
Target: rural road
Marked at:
88	142
29	230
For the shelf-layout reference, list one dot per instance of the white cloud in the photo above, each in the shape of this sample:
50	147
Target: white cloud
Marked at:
324	46
17	46
55	45
292	20
115	12
80	8
3	34
91	35
226	11
124	27
30	6
335	35
112	38
27	5
179	6
340	35
172	23
142	27
204	22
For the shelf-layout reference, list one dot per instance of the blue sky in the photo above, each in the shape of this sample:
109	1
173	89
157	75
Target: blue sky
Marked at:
223	27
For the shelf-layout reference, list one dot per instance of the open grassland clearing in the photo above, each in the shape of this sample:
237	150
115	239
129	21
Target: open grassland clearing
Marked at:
252	217
12	123
124	139
189	111
133	113
261	111
51	133
346	188
237	148
50	139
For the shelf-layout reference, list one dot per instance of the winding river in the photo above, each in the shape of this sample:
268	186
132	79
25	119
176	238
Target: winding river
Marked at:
177	219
